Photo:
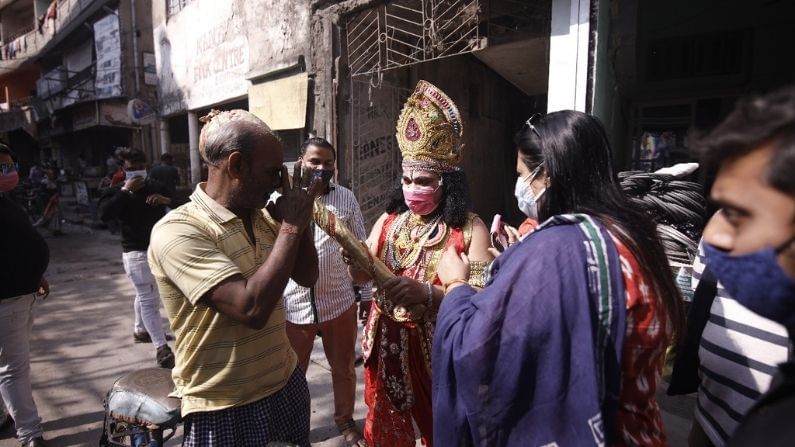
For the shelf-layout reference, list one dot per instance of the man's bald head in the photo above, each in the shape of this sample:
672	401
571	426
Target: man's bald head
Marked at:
233	131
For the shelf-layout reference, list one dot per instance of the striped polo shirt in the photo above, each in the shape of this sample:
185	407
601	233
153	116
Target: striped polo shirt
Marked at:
220	363
738	358
333	293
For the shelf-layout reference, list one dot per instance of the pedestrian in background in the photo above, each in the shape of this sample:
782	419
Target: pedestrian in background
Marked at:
138	204
24	257
328	308
166	173
222	262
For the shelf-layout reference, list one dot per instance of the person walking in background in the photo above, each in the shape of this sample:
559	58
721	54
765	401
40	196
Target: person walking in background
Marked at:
24	257
138	204
329	307
566	343
50	198
166	173
222	262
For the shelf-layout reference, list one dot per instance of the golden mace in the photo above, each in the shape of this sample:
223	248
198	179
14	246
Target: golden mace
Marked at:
327	221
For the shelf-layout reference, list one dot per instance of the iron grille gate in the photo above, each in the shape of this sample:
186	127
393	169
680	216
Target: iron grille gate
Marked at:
406	32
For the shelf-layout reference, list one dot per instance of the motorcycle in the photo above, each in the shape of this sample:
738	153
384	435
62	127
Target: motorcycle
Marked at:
140	413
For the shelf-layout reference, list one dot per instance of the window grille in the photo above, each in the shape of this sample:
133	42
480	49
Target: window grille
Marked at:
175	6
405	32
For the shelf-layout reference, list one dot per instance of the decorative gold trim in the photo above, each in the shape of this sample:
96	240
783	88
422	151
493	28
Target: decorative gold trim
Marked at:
478	273
429	130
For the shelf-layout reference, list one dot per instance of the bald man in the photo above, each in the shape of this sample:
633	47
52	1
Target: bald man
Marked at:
221	263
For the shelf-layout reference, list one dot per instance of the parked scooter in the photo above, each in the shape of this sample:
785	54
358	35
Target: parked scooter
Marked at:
140	413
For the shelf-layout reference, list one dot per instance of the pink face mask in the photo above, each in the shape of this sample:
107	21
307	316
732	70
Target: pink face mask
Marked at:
421	201
9	181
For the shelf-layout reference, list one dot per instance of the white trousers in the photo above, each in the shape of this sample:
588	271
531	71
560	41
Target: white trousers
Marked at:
16	324
147	298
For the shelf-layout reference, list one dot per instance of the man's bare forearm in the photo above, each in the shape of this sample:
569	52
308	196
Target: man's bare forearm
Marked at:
266	287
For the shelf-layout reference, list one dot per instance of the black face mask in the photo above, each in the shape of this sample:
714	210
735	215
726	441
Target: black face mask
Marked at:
757	281
324	175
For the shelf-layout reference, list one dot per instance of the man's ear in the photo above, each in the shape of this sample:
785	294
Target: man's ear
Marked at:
234	165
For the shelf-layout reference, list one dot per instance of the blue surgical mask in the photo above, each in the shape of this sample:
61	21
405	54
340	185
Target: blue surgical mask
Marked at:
757	281
526	198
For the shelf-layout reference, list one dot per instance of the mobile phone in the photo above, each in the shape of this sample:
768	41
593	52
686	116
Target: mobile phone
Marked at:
499	239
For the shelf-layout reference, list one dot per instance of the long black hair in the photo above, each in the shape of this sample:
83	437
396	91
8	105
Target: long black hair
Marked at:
577	160
455	199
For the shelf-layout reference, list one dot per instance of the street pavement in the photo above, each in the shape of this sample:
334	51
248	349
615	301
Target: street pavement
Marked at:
82	342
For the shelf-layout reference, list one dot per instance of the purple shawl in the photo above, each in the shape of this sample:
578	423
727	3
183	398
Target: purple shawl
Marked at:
534	358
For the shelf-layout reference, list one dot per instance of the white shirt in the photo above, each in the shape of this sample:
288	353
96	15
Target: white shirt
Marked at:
333	293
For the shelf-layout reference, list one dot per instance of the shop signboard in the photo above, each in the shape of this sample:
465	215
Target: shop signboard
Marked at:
150	69
199	66
281	103
108	48
81	193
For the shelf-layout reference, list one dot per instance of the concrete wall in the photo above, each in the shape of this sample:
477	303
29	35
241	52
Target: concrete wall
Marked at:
20	83
606	93
208	52
138	28
15	18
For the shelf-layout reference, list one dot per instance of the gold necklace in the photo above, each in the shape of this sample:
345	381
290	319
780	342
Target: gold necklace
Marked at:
406	239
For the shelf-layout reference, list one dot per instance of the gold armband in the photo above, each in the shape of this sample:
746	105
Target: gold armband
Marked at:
478	273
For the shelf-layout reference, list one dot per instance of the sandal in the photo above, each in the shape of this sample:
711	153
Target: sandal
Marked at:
351	435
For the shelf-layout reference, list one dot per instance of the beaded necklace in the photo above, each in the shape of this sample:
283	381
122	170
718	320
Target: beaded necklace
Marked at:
407	237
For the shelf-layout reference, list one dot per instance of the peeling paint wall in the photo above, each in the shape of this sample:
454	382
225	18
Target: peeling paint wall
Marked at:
208	52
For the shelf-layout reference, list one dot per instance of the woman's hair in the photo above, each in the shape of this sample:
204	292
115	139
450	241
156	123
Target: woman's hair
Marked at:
576	154
455	199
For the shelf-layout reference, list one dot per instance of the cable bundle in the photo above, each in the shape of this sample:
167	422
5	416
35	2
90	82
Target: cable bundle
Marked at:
677	206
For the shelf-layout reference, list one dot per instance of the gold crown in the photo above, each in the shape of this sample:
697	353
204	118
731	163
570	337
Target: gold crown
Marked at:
429	130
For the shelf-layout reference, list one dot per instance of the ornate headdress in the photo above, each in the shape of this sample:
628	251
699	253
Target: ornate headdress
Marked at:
429	130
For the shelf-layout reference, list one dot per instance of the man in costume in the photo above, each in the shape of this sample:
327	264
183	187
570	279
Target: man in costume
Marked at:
427	215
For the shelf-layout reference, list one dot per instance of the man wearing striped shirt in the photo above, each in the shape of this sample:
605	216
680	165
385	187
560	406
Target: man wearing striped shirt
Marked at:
329	308
750	247
739	353
222	262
